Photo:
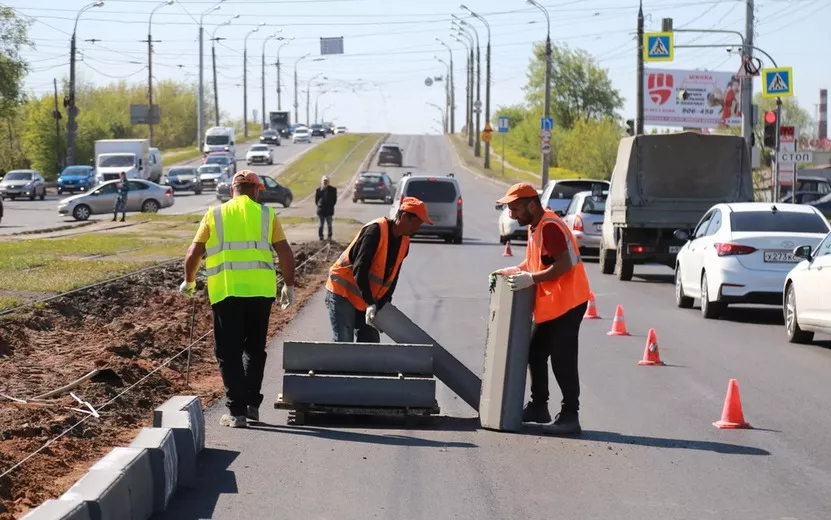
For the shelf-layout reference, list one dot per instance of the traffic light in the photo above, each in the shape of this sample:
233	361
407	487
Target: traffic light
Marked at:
770	129
630	127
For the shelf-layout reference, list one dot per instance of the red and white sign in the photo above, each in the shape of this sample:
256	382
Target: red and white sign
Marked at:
787	143
713	98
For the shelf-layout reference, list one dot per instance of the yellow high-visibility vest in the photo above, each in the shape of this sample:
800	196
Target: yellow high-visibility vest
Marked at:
239	260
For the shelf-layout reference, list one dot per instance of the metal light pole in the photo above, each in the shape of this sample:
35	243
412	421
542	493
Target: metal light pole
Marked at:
469	40
71	124
447	104
467	84
487	85
262	72
317	99
308	99
443	116
200	102
279	78
477	151
452	89
296	110
245	78
213	57
323	112
150	69
546	157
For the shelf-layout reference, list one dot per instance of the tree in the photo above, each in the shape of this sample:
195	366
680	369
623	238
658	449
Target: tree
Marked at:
515	114
590	148
13	37
580	89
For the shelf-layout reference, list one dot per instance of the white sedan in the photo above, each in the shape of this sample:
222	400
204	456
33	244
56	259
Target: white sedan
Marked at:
259	153
301	135
742	253
807	308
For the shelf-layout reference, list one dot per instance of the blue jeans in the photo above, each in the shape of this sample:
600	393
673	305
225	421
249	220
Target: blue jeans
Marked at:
328	221
346	320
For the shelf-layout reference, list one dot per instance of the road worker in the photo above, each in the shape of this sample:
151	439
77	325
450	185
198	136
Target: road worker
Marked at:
552	264
238	237
363	278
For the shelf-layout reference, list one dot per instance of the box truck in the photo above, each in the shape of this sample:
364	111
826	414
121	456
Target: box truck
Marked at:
113	156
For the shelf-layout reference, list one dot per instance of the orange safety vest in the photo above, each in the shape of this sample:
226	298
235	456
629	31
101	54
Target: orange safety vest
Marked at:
342	282
556	297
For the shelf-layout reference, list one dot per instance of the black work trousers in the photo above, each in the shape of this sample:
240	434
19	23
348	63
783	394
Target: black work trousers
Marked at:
240	333
557	339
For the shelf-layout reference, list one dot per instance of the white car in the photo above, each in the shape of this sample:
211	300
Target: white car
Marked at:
259	153
742	253
340	129
807	308
301	135
509	229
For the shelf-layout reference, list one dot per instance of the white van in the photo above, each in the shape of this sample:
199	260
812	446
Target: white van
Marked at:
219	139
156	165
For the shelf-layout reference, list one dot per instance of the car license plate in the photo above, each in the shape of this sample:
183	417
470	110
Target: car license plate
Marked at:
674	249
780	257
598	227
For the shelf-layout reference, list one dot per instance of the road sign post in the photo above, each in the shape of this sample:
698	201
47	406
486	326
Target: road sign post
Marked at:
503	129
658	46
546	123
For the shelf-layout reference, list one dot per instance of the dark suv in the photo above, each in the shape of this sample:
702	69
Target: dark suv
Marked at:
270	137
391	153
318	131
373	186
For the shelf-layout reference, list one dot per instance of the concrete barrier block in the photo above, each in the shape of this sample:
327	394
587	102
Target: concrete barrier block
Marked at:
59	510
190	405
183	415
358	358
359	391
106	493
164	463
134	464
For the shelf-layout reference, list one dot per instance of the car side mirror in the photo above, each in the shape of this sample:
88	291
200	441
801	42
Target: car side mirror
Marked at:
681	234
560	213
499	207
803	252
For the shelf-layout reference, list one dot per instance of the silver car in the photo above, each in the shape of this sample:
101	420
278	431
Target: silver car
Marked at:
584	215
144	196
23	183
210	175
443	197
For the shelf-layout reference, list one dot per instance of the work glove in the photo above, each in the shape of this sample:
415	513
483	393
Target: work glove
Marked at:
520	281
370	314
286	297
187	288
505	271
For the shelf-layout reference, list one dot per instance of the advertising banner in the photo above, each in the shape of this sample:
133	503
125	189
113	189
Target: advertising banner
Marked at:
692	98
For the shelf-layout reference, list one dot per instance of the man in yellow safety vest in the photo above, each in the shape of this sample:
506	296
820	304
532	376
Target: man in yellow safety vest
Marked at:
237	239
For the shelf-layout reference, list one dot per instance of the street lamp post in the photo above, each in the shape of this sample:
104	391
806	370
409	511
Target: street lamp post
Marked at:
477	151
245	78
317	99
487	85
443	116
150	69
279	78
262	72
468	42
452	89
467	84
308	99
200	102
71	124
213	57
296	104
447	104
546	157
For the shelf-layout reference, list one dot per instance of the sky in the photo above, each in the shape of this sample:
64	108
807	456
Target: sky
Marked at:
390	48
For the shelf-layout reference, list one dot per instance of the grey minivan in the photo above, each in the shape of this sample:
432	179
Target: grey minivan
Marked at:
443	197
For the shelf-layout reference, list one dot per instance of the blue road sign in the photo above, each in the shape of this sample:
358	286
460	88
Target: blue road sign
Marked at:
777	82
546	123
503	124
659	46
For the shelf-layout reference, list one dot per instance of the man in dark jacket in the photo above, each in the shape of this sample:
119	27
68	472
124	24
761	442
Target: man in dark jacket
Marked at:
325	198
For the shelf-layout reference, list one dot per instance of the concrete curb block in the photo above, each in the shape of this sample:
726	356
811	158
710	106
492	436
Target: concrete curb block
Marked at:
63	509
183	415
164	463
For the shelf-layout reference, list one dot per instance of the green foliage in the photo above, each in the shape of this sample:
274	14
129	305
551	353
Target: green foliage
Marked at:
591	148
13	36
792	114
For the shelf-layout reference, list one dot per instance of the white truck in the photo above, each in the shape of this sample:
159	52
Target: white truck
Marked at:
219	139
113	156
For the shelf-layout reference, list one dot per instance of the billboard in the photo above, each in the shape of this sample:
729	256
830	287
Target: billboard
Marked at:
712	98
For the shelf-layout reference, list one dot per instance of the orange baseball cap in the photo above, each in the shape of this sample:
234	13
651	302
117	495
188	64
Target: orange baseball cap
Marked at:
417	208
520	190
248	177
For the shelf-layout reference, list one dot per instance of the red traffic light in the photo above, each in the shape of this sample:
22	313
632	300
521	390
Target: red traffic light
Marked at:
770	117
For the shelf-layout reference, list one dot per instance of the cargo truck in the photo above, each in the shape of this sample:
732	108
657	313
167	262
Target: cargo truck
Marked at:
113	156
662	183
281	122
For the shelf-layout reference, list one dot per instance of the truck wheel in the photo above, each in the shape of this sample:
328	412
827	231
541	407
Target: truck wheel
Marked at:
623	268
709	309
606	260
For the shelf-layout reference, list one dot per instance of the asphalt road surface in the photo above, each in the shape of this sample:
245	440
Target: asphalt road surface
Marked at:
25	215
649	449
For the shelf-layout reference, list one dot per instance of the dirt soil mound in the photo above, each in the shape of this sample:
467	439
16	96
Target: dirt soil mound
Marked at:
126	329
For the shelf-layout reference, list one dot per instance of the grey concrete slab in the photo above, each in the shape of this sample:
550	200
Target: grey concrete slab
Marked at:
358	358
358	391
506	357
192	406
183	415
134	465
106	493
59	510
164	463
446	367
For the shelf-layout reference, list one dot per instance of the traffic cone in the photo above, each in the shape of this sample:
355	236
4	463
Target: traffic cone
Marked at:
618	324
651	356
732	416
591	310
508	249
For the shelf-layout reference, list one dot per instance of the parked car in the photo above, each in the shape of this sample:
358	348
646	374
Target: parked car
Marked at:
209	174
558	193
271	137
301	135
76	178
584	215
23	183
742	253
806	306
510	229
318	131
443	197
225	160
391	153
274	191
184	178
259	153
373	186
143	195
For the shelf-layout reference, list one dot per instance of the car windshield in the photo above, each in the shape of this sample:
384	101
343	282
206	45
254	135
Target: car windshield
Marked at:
568	189
431	191
259	148
317	126
370	179
593	207
269	132
76	170
210	169
216	139
777	222
18	176
217	160
116	161
390	148
181	171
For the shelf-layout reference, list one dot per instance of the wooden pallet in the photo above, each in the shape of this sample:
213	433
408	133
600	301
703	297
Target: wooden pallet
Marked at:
298	412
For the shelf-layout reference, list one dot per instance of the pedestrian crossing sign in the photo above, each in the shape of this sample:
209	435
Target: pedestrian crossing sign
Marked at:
658	46
777	82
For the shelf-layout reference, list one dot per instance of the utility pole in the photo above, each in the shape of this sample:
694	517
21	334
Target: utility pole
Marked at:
279	104
150	69
72	110
279	74
747	83
639	90
546	157
488	103
57	116
245	78
296	105
216	88
470	99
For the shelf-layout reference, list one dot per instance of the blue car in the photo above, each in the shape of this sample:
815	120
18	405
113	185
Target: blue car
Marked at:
76	178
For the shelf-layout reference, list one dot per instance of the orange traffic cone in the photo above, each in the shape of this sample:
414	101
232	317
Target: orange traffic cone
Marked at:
732	416
619	324
591	310
508	249
651	356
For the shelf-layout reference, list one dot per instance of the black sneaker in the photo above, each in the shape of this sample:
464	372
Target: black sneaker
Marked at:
536	413
564	424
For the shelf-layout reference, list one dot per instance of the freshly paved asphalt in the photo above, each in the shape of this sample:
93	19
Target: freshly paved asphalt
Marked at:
25	215
649	450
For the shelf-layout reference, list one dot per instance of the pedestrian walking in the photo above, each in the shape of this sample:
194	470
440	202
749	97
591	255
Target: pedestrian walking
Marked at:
363	278
121	199
237	239
553	265
326	197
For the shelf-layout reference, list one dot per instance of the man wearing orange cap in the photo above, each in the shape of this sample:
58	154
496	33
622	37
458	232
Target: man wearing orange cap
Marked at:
363	278
553	265
237	239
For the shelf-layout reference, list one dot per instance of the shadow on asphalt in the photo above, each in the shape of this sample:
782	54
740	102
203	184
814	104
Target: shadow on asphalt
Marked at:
754	315
662	442
654	278
213	481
